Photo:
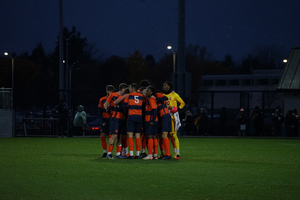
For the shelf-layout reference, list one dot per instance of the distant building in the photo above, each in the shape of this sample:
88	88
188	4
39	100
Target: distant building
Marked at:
229	88
290	81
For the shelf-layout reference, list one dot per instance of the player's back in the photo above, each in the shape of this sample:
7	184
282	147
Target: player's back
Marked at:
151	110
105	114
135	105
111	99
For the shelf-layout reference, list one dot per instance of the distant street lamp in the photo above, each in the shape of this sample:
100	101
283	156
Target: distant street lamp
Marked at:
12	56
174	64
68	71
174	57
285	60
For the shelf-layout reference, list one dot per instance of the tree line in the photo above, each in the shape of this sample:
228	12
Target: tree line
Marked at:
91	71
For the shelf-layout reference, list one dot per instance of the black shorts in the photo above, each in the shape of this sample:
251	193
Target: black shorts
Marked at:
165	124
115	125
105	128
134	127
151	129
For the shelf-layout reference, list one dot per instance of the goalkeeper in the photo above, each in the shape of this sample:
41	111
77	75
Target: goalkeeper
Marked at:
172	104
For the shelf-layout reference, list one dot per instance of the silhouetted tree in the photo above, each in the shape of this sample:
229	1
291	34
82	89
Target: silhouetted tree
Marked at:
137	67
269	56
162	71
114	71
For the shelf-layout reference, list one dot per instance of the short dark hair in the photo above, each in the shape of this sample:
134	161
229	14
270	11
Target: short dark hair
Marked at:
142	88
134	86
153	90
122	86
126	91
144	83
169	83
110	88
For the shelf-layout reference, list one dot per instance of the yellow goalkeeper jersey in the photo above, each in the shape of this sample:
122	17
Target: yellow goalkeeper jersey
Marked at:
174	99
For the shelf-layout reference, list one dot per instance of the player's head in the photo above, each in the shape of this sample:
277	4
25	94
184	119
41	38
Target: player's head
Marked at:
109	89
143	90
167	86
122	87
133	87
144	83
126	91
150	91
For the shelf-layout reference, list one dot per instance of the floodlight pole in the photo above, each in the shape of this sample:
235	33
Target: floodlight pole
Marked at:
12	77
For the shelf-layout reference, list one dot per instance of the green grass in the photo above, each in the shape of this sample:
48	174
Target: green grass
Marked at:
210	168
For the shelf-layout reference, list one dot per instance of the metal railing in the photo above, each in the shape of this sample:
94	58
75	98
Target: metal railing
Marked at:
37	127
40	121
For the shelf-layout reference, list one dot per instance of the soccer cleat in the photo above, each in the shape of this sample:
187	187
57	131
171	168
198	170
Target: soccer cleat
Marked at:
155	157
148	157
143	155
120	156
178	157
166	157
175	155
109	156
137	157
104	155
130	157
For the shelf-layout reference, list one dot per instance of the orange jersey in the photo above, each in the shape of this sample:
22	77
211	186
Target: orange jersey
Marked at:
162	108
134	101
104	114
115	111
151	110
119	112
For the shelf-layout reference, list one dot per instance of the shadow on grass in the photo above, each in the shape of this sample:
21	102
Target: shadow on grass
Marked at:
136	161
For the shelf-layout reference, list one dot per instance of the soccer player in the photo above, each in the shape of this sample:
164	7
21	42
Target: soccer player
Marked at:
122	147
151	122
164	119
104	119
143	86
134	102
116	119
172	104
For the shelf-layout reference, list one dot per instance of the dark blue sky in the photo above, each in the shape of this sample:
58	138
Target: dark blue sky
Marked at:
118	27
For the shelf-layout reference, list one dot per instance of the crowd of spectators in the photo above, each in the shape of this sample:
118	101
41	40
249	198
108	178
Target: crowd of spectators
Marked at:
245	124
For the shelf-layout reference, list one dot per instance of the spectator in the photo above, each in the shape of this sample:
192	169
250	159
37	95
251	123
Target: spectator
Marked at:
256	122
291	123
79	121
223	121
188	120
241	120
297	131
61	111
201	123
278	120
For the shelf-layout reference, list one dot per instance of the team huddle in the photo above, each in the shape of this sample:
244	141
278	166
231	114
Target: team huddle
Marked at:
152	117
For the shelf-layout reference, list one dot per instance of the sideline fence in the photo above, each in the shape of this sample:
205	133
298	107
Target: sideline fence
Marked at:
34	118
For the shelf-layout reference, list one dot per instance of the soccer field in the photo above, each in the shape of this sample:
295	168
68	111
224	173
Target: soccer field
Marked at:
210	168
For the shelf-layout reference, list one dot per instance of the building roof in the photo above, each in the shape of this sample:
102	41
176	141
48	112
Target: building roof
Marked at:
290	79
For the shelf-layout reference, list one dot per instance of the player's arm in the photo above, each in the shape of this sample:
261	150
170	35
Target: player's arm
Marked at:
116	102
100	107
180	101
152	102
107	102
161	97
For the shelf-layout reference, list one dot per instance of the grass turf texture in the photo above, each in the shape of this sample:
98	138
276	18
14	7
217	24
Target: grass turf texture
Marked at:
210	168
